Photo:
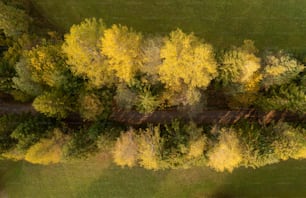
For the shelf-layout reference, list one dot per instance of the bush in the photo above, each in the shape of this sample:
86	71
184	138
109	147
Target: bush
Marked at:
125	150
47	151
227	152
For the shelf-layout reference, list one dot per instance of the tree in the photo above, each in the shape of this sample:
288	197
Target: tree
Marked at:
90	106
23	80
151	60
53	104
186	61
239	64
289	142
82	47
13	21
280	69
239	74
47	65
149	148
125	150
121	46
47	150
226	153
290	97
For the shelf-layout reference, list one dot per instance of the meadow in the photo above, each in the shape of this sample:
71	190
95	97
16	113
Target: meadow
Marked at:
271	24
96	177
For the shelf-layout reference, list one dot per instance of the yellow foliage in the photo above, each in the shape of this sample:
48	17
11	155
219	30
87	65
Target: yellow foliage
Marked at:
186	60
46	65
149	144
14	154
121	46
90	106
226	154
82	47
125	150
47	151
240	64
197	147
300	154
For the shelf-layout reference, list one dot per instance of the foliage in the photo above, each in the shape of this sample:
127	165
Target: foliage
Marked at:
186	60
125	150
29	131
146	102
13	21
125	97
24	82
290	142
80	145
150	49
226	153
149	148
47	151
287	97
121	46
239	64
8	124
46	65
90	106
82	47
280	69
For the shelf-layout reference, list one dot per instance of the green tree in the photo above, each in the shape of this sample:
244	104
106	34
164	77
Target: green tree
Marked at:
23	80
122	47
47	65
82	47
239	74
280	69
53	104
90	106
290	97
13	21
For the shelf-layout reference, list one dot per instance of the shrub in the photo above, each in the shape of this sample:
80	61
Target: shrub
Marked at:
125	150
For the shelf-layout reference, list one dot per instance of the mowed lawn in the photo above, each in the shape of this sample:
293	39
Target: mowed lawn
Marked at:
271	24
98	178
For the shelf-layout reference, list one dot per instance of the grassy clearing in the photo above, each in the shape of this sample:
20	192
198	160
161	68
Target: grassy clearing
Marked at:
272	24
98	178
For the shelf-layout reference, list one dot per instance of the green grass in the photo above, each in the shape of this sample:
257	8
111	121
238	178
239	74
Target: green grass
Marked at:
272	24
98	178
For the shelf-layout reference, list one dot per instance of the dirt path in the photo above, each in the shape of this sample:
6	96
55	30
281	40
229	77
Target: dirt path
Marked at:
204	117
163	117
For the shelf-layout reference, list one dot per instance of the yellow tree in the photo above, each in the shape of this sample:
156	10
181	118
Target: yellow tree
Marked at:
46	64
227	153
47	151
125	149
186	61
121	46
149	148
188	65
82	47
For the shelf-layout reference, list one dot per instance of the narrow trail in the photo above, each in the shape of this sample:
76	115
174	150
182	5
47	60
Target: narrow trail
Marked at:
166	116
205	117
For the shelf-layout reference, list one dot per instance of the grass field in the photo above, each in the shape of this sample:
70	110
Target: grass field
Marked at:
98	178
272	24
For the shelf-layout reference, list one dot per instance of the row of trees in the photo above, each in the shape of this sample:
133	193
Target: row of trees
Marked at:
43	140
221	148
95	65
